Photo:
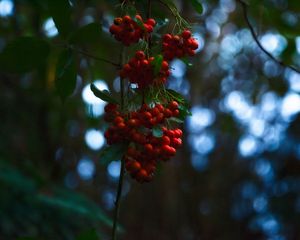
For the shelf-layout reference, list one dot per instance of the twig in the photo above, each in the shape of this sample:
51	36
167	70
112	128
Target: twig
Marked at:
122	170
87	54
95	57
117	202
255	37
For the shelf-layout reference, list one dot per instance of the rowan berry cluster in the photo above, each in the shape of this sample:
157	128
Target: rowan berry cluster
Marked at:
128	30
145	129
178	46
136	129
140	70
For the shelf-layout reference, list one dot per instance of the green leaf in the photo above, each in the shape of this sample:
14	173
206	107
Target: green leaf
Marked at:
24	54
60	10
112	153
66	74
186	62
184	111
157	131
139	23
72	202
157	64
13	178
88	34
88	235
103	95
197	6
176	120
176	96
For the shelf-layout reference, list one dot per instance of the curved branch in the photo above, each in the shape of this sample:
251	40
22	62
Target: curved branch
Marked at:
87	54
255	37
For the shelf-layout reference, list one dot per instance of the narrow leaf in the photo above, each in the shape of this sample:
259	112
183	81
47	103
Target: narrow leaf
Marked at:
176	120
139	23
24	54
66	74
197	6
183	111
176	96
103	95
157	131
157	64
112	153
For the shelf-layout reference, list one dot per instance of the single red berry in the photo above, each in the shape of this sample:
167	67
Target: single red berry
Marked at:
176	142
173	105
167	37
167	113
133	122
151	22
140	55
186	34
118	120
165	140
148	147
175	112
127	19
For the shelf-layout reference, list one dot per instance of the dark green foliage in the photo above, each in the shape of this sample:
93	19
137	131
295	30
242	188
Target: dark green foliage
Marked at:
24	54
197	6
157	64
66	73
112	153
61	12
88	34
103	95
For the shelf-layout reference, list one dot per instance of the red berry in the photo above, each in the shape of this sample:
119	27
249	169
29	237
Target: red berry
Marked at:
133	122
173	105
142	175
175	112
167	37
140	55
148	147
176	142
186	34
167	113
118	120
166	140
151	22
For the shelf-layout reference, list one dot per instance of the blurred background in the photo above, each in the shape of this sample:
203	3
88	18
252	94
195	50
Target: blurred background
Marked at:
237	175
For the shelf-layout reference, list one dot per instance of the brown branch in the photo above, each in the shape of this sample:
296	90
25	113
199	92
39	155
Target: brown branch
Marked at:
87	54
122	170
255	37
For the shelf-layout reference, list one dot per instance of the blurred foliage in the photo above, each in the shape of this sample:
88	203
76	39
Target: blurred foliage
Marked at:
44	122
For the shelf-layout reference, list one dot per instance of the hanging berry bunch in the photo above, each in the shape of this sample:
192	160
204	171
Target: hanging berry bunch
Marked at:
144	128
130	30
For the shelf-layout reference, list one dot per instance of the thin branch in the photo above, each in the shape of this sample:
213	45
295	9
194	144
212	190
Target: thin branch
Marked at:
87	54
122	170
117	202
95	57
255	37
149	9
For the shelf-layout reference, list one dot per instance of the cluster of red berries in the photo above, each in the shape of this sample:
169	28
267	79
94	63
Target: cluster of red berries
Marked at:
128	30
144	130
178	46
141	158
140	70
136	128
